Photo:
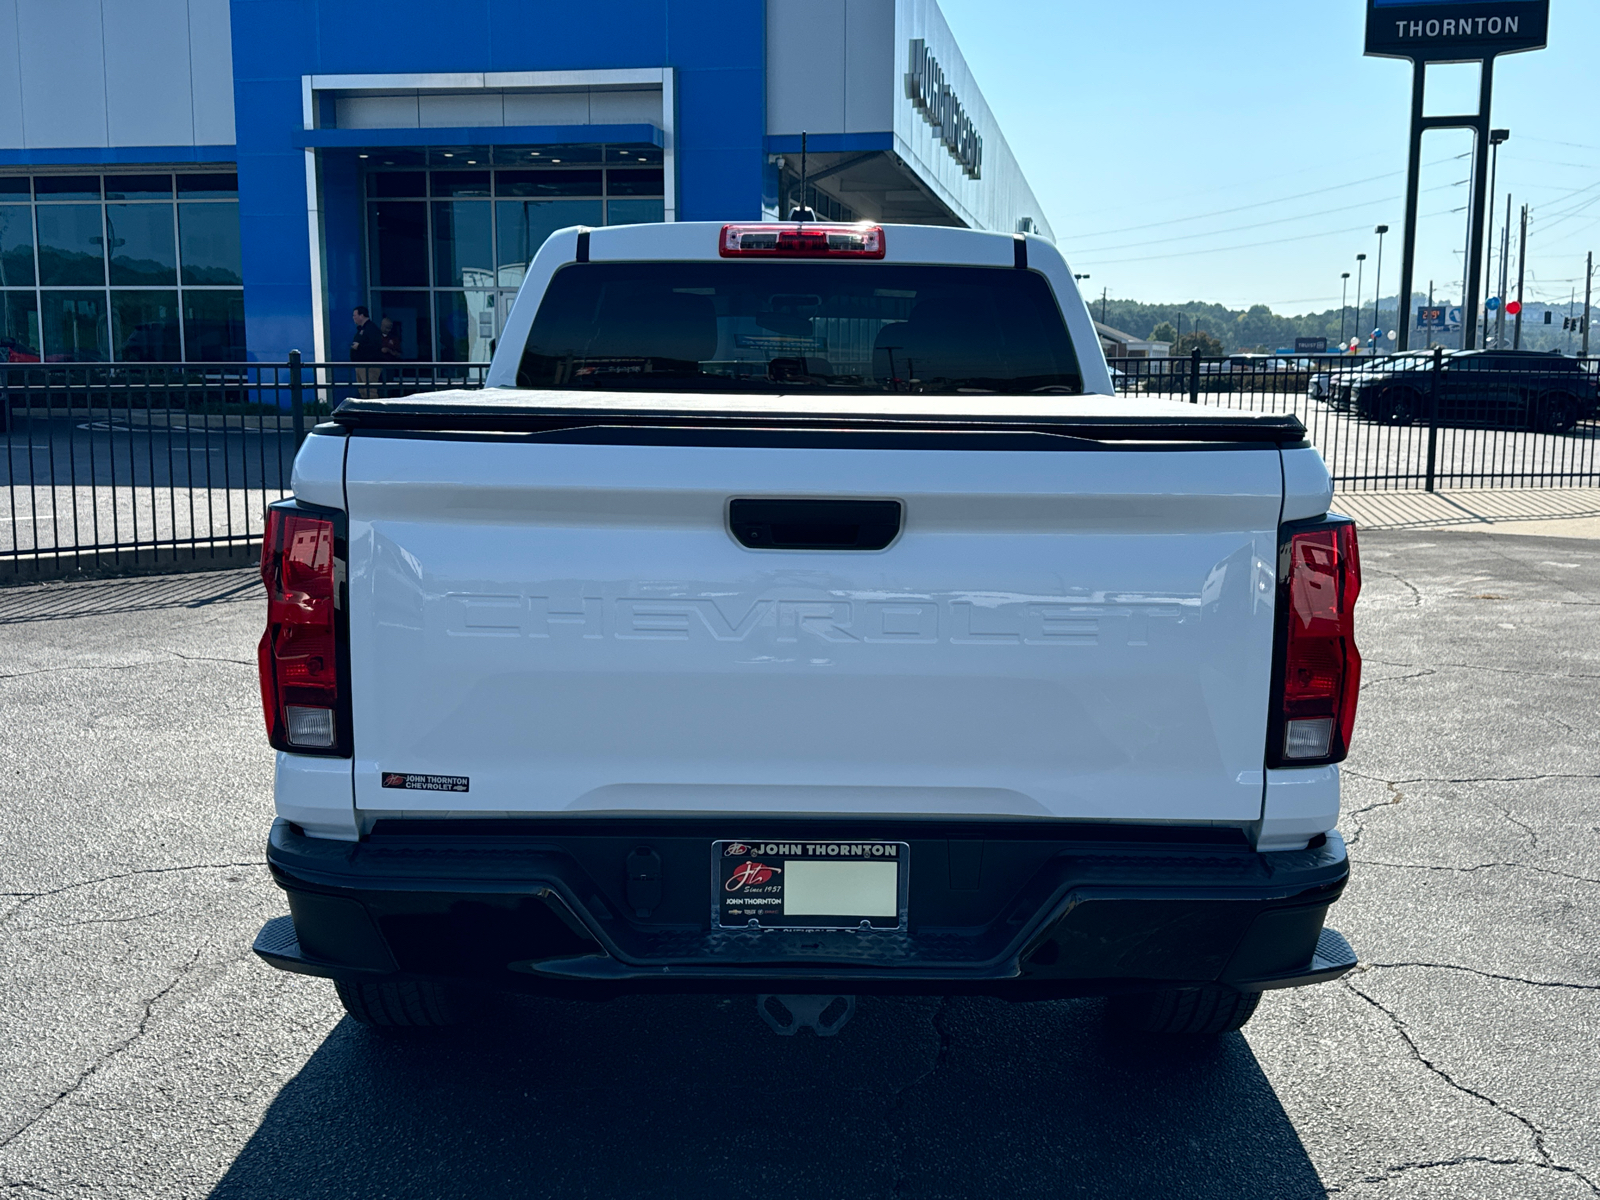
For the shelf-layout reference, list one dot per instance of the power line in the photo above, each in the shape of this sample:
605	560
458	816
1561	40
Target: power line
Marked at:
1306	237
1223	212
1253	182
1188	237
1549	142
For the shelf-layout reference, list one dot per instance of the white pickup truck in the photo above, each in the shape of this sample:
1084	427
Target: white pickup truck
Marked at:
797	613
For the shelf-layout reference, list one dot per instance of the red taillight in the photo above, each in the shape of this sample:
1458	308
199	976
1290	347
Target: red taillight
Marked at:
299	652
1321	665
801	241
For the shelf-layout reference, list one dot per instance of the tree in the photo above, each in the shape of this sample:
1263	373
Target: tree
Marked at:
1164	332
1200	339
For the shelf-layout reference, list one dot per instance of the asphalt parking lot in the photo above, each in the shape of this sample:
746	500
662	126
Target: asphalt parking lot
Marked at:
145	1052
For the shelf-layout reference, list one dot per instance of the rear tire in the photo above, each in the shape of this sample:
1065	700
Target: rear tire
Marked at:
1557	412
1184	1012
400	1005
1401	407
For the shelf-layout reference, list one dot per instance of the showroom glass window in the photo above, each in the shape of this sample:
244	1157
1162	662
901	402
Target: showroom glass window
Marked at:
450	234
128	267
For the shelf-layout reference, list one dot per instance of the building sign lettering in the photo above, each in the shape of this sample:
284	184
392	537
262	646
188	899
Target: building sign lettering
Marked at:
931	95
1455	30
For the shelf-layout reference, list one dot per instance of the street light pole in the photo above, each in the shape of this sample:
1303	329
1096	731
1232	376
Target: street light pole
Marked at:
1360	267
1496	136
1344	302
1377	289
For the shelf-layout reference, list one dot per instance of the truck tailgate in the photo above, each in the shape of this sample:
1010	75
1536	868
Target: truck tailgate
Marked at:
572	628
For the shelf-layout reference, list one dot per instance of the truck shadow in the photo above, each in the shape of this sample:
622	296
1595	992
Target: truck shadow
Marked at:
689	1096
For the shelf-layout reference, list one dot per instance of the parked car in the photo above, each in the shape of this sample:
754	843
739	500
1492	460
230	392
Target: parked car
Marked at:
1251	372
797	612
1518	389
13	351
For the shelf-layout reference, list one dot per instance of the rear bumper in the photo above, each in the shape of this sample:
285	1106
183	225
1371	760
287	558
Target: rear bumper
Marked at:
1024	910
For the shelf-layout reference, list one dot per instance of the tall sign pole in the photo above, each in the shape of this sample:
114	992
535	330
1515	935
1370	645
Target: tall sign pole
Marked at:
1442	31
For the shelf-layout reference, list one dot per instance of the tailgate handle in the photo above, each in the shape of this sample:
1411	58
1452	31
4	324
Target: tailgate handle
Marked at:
814	524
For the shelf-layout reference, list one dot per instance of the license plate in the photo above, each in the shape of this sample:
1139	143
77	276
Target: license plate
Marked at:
810	885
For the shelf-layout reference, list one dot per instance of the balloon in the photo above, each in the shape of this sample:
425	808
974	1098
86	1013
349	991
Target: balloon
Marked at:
1394	335
1513	308
1492	303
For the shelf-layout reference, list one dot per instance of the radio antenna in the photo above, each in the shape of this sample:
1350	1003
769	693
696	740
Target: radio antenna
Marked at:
802	204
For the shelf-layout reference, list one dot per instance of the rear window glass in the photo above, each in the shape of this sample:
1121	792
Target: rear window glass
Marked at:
788	326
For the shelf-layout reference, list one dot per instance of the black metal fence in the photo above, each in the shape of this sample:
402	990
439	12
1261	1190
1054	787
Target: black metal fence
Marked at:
1423	420
115	464
118	463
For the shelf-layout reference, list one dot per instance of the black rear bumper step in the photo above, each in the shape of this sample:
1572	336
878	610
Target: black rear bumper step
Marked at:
1037	916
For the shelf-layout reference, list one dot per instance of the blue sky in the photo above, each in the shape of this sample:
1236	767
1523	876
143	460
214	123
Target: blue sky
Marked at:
1243	152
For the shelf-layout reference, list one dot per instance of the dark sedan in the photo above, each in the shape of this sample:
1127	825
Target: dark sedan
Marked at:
1519	389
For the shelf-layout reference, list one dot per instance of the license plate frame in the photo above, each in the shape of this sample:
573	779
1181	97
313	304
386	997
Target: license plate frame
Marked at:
765	883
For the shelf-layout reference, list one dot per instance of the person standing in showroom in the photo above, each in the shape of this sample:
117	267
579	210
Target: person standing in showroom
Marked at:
366	351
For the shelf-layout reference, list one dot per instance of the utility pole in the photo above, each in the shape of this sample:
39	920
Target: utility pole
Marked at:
1522	274
1505	279
1588	278
1104	292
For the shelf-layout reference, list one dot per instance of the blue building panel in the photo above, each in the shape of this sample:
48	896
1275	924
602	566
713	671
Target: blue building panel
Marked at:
569	37
716	51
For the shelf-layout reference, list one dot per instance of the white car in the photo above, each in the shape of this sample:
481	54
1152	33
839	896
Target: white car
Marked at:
798	613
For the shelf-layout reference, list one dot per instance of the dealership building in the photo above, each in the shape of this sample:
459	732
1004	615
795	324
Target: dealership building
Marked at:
203	181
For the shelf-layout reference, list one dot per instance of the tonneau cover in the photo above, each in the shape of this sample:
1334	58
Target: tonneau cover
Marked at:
1099	418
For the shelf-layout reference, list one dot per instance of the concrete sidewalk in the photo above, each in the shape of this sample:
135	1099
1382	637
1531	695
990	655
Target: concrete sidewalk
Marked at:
1541	512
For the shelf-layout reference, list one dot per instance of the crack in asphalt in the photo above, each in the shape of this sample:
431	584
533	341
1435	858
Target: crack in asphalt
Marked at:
243	662
12	1185
94	921
1420	674
1546	1161
898	1098
1398	1169
1434	670
1396	795
1356	814
1479	778
29	897
93	667
1416	593
1468	870
133	666
1533	836
93	1068
1429	966
1519	671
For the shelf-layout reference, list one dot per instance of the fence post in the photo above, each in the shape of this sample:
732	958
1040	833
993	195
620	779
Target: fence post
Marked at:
1433	412
297	403
1194	376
